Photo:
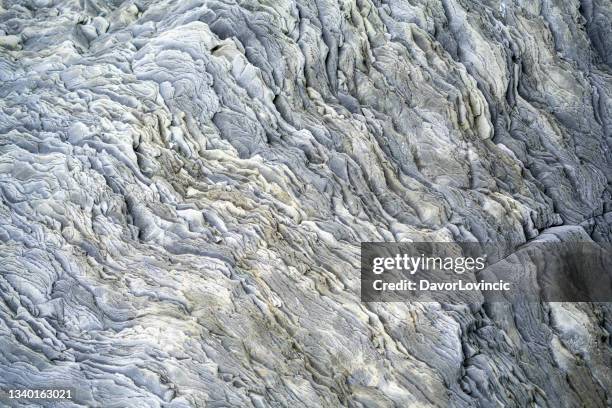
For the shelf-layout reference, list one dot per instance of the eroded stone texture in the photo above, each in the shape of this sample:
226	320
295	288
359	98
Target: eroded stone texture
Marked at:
184	186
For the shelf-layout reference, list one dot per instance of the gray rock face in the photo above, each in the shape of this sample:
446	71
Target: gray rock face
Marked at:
184	186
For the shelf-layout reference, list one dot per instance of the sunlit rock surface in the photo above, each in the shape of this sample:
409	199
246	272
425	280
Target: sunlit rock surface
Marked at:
184	186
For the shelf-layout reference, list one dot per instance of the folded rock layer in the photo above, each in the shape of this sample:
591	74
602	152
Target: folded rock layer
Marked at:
184	186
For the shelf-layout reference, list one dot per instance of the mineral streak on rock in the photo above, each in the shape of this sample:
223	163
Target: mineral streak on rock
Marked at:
184	186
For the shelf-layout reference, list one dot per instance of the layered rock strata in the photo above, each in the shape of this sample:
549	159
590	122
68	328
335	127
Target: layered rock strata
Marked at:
184	186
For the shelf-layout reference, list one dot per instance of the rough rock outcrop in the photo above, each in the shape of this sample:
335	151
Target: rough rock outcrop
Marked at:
184	186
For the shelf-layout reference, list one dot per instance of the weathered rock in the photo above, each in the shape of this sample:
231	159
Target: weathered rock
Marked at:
184	186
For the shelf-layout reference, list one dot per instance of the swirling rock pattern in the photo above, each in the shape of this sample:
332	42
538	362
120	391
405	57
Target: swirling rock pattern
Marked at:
184	186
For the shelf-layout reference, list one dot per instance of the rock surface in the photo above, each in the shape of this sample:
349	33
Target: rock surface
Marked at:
184	186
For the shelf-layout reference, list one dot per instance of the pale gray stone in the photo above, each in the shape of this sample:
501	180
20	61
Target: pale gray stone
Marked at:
184	186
